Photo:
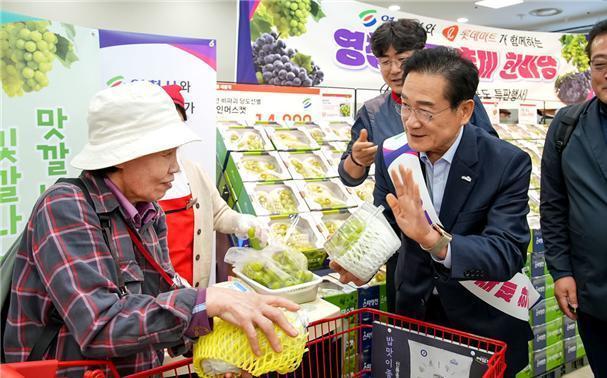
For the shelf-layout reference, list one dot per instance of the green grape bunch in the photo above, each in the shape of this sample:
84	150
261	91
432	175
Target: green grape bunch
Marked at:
283	270
331	227
290	141
278	201
289	16
317	135
250	141
297	239
310	168
267	275
344	110
350	231
287	201
574	51
265	170
28	50
322	196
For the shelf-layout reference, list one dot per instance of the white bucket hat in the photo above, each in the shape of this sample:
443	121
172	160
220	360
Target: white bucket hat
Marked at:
130	121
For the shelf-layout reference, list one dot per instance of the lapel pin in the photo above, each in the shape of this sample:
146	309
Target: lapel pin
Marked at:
467	178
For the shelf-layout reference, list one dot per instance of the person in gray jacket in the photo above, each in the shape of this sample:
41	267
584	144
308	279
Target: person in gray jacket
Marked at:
574	206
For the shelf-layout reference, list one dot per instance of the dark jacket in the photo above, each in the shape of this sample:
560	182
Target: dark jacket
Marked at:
574	209
487	218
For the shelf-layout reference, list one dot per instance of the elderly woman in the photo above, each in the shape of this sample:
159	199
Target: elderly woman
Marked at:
110	284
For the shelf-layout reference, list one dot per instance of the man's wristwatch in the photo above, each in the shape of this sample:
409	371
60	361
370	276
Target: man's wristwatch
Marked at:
445	239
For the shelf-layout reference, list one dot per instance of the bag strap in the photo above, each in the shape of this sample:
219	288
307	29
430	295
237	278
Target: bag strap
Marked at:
48	336
568	124
106	229
141	248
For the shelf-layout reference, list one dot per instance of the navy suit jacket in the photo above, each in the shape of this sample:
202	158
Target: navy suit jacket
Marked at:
487	218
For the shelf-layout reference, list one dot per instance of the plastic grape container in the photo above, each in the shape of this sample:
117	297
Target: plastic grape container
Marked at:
364	242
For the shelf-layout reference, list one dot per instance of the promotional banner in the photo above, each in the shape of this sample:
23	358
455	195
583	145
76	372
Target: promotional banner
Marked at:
328	43
163	60
49	72
252	103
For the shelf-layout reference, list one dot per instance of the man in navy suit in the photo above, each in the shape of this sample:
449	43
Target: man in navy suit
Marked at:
478	185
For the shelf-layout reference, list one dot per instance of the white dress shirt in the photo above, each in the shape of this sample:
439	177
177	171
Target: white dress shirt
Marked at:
436	180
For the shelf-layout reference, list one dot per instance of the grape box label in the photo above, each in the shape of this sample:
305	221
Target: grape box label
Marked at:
399	352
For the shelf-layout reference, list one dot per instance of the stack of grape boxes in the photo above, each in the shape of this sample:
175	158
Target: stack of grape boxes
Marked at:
372	295
555	339
277	170
234	136
346	298
349	297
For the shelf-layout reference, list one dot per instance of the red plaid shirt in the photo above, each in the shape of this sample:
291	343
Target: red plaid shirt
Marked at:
64	262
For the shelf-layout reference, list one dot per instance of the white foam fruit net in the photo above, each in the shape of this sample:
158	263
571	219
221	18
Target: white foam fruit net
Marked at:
227	350
364	242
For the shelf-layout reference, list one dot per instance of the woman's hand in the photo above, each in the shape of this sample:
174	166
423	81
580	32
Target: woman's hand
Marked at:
250	227
249	310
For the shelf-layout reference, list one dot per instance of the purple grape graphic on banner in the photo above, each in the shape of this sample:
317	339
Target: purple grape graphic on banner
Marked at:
574	87
276	64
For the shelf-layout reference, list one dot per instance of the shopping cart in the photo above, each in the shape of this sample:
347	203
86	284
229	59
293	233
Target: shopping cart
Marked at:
49	368
338	347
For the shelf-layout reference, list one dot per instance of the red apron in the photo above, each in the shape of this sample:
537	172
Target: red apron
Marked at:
180	234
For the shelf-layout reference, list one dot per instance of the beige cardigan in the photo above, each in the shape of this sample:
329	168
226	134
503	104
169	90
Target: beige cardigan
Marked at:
210	205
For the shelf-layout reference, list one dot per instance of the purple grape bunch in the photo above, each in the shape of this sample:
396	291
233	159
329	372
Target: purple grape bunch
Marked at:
275	64
573	87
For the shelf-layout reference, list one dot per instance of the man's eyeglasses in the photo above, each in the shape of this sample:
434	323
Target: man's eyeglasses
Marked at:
599	65
421	115
385	63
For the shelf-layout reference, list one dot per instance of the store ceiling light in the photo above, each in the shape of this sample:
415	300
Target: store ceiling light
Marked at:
462	20
394	8
545	12
497	4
